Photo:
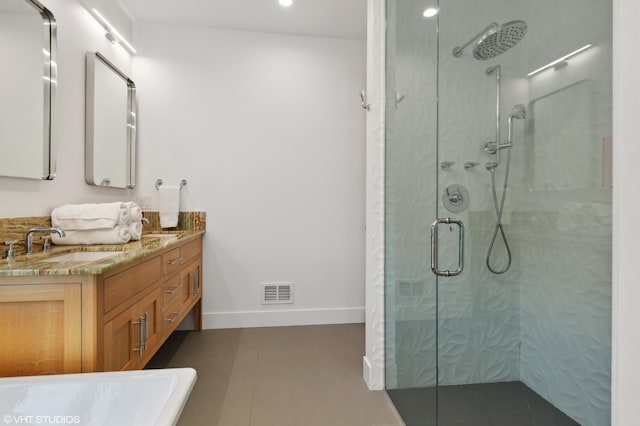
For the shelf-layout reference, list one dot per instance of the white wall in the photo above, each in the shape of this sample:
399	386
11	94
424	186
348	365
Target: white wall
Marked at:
268	131
78	33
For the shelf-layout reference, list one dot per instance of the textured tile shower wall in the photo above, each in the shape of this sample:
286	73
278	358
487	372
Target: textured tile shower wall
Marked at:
564	226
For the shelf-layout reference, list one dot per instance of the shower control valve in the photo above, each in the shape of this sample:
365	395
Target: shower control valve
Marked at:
455	198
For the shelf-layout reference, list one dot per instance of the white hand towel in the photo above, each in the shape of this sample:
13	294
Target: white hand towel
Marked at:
135	212
168	205
135	229
117	235
74	217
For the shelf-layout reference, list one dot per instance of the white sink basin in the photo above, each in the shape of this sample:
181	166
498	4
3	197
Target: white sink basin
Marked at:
81	256
163	237
141	398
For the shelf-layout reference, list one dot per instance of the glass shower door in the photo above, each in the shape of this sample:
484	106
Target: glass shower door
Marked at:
478	310
410	208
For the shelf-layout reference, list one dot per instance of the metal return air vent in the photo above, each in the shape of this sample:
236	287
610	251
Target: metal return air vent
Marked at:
277	293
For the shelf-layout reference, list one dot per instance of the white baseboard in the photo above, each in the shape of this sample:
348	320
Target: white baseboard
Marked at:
246	319
373	377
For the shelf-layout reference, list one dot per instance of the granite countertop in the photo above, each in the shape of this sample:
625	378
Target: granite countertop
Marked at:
35	264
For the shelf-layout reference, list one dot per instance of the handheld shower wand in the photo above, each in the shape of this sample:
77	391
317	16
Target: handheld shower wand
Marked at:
517	112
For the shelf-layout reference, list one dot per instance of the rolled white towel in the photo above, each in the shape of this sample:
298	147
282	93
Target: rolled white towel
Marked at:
117	235
135	229
74	217
135	212
125	216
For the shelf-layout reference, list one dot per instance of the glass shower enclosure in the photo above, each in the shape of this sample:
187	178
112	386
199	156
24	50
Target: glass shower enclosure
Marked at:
498	211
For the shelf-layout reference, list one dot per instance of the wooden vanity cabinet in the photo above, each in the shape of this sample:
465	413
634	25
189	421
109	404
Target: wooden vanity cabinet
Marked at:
133	336
41	326
107	322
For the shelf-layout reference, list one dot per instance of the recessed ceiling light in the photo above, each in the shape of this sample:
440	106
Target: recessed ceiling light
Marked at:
285	3
430	12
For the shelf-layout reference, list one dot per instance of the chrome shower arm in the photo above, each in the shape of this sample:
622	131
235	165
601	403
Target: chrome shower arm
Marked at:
457	51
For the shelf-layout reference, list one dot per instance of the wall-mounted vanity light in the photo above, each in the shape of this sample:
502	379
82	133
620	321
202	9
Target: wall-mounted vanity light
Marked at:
112	34
560	60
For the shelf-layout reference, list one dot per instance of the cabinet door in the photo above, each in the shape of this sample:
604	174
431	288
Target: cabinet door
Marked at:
122	340
149	310
192	283
40	329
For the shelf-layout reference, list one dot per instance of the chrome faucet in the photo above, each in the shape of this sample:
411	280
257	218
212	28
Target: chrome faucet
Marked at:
28	241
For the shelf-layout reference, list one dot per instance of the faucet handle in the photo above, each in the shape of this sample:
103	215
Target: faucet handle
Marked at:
46	243
11	252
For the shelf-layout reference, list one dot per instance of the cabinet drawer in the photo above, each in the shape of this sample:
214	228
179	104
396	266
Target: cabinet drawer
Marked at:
173	290
171	262
171	317
126	284
191	249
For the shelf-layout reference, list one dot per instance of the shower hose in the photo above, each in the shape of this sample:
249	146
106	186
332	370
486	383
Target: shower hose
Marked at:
499	208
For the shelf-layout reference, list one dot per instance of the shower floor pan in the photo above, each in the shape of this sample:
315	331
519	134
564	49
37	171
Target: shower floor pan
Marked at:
486	404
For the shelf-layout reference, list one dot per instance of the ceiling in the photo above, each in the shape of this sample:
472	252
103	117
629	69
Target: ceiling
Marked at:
327	18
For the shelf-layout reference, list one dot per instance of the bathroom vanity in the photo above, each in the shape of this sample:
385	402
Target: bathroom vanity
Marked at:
79	315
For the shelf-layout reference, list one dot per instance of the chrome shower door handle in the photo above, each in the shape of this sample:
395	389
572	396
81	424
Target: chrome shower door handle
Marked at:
434	246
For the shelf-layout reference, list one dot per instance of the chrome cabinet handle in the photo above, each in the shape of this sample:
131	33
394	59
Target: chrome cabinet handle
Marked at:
145	318
140	344
434	247
175	317
174	261
194	282
174	289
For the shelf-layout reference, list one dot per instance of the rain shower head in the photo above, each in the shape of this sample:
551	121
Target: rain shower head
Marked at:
495	40
519	111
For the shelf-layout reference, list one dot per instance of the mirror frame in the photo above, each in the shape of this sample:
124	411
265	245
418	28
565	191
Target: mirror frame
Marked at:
90	141
50	80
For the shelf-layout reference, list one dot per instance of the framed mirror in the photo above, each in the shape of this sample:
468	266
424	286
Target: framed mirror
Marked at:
110	125
28	80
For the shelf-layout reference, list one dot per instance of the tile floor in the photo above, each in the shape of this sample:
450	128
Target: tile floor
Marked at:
280	376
